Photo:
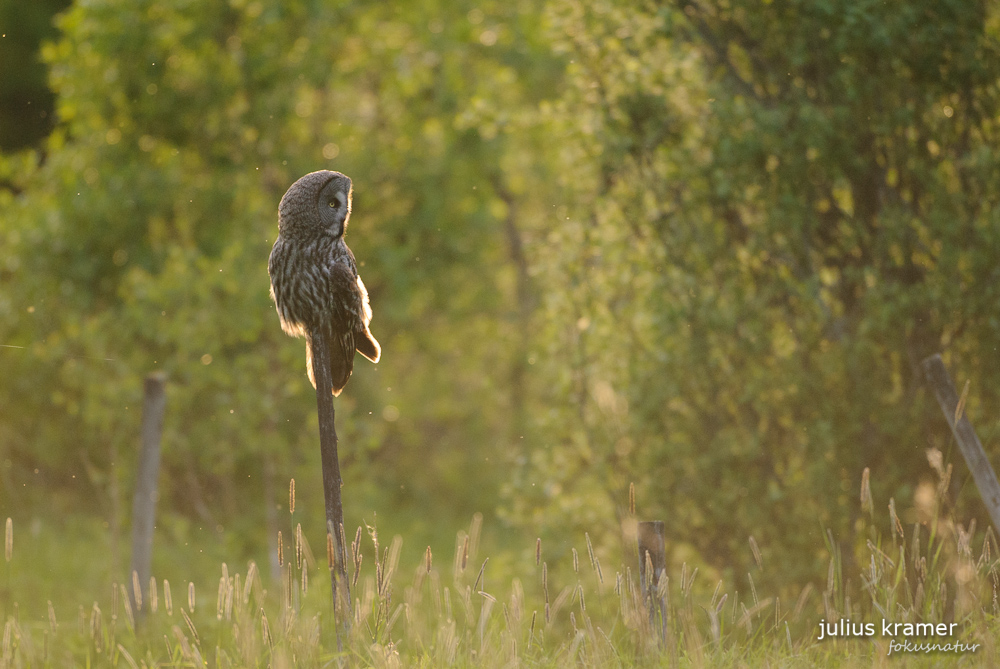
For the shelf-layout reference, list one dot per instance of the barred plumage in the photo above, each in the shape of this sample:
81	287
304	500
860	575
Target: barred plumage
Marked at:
314	278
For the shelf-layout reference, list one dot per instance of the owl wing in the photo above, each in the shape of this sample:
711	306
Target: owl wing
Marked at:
366	344
347	310
347	330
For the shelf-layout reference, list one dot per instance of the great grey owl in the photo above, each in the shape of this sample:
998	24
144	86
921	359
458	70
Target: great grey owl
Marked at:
314	278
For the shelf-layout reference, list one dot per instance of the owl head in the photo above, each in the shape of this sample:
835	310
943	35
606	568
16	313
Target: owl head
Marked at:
317	204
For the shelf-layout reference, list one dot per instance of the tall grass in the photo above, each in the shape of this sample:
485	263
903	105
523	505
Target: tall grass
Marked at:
451	611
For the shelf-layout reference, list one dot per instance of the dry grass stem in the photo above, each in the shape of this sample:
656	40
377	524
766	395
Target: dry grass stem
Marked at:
756	553
128	657
190	625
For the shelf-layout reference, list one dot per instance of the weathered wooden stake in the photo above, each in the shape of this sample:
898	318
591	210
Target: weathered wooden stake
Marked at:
331	481
144	506
975	457
651	538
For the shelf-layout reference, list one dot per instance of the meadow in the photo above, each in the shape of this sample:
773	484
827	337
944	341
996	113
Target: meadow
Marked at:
689	253
456	611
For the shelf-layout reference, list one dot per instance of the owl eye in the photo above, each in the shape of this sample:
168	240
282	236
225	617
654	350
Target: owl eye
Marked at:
335	203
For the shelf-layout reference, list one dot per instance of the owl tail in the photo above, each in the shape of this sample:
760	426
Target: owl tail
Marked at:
341	363
367	345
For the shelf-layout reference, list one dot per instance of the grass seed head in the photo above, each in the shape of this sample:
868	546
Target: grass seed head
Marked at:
866	492
220	599
356	547
251	575
897	526
801	602
960	409
755	549
265	629
357	570
95	626
230	590
298	546
129	615
153	599
136	590
168	602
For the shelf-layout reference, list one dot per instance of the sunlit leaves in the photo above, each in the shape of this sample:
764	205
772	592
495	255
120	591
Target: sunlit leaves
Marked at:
753	210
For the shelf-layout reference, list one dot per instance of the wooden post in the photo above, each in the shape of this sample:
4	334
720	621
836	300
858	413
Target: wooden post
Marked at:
975	457
144	506
651	538
331	481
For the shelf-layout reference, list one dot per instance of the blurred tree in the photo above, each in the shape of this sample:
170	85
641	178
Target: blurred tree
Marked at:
142	241
695	246
761	218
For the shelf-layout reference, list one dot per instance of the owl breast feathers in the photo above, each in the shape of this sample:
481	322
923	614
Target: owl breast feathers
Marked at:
314	278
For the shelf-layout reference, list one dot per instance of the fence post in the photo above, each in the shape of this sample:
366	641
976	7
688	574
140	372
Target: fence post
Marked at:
144	506
968	442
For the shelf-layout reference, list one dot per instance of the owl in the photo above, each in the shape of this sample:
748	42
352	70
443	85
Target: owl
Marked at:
314	278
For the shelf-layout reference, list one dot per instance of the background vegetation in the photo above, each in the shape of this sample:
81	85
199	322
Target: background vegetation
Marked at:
697	246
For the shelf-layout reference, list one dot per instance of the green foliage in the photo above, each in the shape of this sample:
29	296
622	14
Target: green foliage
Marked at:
699	248
759	220
141	241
